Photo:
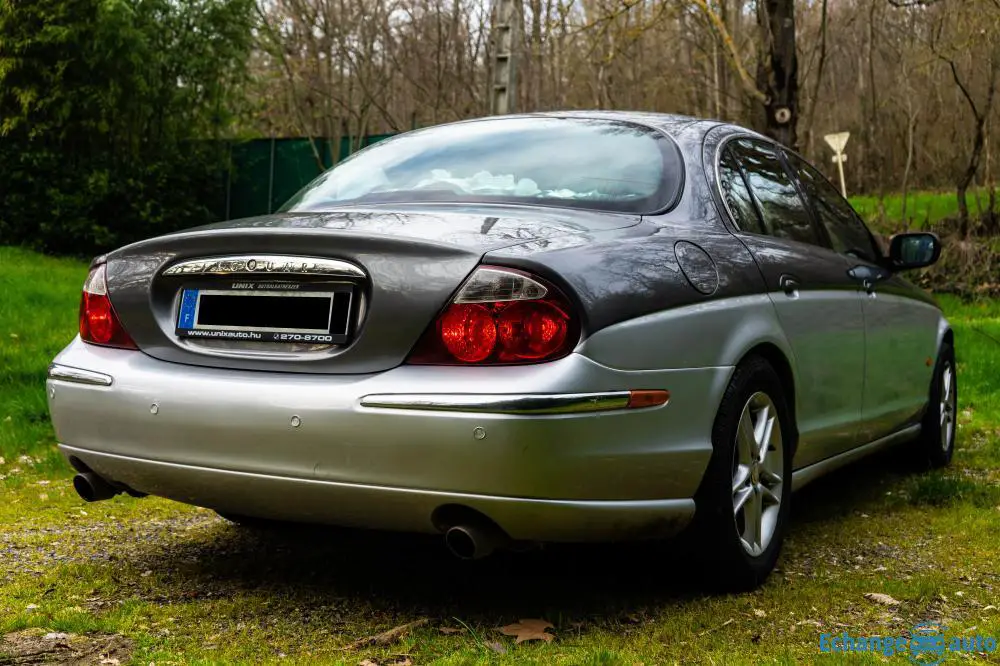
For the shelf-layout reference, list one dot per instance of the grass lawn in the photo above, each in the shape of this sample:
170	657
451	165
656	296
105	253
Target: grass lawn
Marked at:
149	581
922	208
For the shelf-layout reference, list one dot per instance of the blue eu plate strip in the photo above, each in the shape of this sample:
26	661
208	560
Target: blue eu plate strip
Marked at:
189	302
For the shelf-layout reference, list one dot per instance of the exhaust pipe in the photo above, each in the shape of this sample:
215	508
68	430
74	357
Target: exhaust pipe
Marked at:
473	542
93	488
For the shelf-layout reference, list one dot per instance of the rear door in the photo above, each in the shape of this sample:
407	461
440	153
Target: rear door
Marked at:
901	321
817	302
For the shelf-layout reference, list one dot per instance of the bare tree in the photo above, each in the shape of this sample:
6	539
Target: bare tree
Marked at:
951	42
913	80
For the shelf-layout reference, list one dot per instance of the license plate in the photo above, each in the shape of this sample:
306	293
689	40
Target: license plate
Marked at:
279	312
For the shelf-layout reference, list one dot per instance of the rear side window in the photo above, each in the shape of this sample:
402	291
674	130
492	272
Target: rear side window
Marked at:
785	214
737	196
847	232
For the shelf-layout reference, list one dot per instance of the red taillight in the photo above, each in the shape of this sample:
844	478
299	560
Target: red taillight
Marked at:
532	329
468	332
99	324
500	316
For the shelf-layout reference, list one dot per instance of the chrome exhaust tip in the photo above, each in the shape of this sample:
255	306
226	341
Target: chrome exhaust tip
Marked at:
92	488
473	542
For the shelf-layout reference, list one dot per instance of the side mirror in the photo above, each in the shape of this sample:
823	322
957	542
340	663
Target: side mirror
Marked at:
913	250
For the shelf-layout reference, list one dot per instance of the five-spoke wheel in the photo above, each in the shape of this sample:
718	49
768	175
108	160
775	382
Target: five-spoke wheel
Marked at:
758	463
743	502
937	431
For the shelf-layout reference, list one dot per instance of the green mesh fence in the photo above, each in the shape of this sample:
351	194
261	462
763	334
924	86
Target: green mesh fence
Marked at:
265	173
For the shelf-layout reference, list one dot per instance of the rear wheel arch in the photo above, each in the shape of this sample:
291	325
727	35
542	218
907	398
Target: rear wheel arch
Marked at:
720	525
783	367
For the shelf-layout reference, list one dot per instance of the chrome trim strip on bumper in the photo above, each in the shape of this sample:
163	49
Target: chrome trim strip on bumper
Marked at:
67	373
552	403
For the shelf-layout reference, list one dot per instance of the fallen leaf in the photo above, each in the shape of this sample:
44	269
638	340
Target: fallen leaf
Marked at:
497	647
759	613
879	598
387	637
990	607
450	630
110	661
31	607
367	662
724	624
529	630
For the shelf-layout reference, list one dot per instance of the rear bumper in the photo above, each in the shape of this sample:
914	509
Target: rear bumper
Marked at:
316	448
377	507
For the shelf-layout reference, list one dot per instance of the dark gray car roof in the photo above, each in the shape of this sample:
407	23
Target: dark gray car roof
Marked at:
673	124
670	123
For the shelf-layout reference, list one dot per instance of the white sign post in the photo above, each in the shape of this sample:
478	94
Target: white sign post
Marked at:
838	141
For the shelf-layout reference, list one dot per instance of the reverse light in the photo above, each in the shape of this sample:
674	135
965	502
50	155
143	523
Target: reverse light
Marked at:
99	324
500	316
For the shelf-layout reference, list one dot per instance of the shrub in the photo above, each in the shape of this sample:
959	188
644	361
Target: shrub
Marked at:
107	111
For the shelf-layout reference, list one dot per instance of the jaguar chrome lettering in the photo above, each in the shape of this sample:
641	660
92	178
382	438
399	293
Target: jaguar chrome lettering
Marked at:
257	264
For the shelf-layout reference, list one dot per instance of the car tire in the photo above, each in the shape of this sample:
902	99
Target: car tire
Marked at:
744	499
939	425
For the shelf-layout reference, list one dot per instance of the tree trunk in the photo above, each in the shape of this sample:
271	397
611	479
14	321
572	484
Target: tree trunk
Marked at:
970	173
777	70
978	142
811	114
911	127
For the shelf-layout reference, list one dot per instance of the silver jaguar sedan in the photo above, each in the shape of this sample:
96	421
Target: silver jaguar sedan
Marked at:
550	327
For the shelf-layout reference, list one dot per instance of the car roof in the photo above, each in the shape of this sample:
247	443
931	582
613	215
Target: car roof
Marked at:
673	124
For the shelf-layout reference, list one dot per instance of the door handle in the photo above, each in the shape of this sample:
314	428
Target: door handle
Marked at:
789	284
866	276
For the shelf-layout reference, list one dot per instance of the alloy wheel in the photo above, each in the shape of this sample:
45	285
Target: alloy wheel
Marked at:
758	466
948	406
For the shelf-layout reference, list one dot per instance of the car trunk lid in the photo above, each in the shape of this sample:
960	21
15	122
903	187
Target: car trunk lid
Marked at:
400	266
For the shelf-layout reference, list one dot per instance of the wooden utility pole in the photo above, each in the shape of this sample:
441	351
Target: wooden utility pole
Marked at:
503	88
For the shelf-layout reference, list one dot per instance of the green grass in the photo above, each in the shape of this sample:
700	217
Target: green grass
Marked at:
922	208
39	297
175	584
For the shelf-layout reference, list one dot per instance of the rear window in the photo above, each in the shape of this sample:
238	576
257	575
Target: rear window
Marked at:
575	162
